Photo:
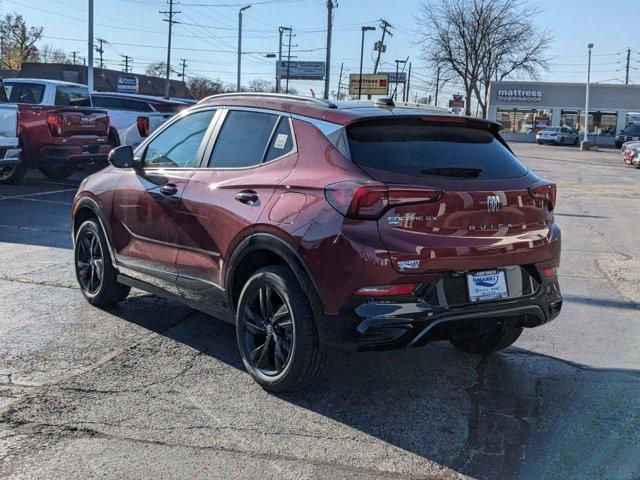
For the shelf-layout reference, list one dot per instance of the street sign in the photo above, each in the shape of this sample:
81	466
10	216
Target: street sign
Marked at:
300	70
372	84
457	101
401	78
128	84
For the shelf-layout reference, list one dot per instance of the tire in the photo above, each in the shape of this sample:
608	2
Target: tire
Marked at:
13	174
539	142
561	141
56	171
90	240
488	343
113	138
264	329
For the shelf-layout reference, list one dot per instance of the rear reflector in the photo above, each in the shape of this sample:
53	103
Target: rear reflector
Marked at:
387	290
369	201
549	272
143	126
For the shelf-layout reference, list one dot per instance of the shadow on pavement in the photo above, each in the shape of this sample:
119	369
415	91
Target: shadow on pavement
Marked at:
516	414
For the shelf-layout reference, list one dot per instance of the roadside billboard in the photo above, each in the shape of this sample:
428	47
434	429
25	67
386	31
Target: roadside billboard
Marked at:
372	84
300	70
128	84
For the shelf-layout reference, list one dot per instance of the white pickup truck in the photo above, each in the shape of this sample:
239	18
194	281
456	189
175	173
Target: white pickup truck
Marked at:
133	117
9	143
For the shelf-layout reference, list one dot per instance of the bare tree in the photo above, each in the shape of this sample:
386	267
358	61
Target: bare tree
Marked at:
201	87
19	41
261	85
50	54
156	69
475	41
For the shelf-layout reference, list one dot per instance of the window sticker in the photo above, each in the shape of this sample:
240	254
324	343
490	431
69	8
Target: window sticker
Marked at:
281	141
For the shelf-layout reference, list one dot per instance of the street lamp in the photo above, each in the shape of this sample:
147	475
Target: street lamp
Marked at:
364	29
395	90
585	142
240	44
281	31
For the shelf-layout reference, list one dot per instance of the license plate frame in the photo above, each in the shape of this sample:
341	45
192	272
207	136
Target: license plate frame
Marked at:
487	286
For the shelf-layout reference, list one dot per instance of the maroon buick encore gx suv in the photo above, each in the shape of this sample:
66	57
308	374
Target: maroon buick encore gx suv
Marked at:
312	224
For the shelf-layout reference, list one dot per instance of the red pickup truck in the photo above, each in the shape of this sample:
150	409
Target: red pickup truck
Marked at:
59	130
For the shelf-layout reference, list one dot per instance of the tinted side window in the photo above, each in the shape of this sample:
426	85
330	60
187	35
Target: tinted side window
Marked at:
281	141
177	145
242	140
31	93
416	149
72	96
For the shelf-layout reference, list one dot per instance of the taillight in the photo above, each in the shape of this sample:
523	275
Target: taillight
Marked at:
545	192
143	126
370	200
387	290
55	124
549	272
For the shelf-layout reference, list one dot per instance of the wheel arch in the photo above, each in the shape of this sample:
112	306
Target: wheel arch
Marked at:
260	250
85	209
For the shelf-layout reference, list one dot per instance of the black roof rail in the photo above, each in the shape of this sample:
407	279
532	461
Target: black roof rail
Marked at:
275	96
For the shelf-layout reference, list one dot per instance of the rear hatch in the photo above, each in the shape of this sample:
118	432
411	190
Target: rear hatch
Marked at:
458	199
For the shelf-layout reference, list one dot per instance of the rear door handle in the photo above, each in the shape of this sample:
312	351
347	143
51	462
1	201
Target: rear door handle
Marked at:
248	197
168	190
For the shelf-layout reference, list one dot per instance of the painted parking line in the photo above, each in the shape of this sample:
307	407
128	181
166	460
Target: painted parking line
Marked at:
28	195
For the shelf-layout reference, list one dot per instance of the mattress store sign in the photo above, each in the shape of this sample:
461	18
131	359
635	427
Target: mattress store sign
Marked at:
517	95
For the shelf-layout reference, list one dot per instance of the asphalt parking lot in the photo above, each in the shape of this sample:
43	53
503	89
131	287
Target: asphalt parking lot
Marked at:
152	389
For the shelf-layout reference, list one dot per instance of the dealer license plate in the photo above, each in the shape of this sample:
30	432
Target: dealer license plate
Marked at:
487	286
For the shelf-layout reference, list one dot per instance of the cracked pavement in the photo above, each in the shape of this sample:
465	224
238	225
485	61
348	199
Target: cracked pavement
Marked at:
152	389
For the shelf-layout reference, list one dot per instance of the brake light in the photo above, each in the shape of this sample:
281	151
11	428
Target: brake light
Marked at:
549	272
545	192
143	126
54	123
387	290
369	201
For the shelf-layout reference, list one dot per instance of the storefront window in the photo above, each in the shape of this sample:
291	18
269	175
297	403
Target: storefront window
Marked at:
600	123
570	119
523	121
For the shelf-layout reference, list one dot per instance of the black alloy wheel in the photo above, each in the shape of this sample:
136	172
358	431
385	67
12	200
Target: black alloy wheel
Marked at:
268	330
90	262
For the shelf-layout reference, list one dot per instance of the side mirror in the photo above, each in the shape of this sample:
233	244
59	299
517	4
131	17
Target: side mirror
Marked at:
122	157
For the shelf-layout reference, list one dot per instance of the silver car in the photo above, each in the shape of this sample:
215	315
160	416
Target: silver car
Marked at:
557	136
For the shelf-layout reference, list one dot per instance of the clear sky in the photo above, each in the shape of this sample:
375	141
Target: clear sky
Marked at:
207	35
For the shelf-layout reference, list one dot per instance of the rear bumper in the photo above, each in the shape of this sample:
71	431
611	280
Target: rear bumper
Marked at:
81	155
386	325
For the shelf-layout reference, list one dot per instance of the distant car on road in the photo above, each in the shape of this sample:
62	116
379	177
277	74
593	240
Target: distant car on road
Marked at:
557	136
59	130
133	117
630	134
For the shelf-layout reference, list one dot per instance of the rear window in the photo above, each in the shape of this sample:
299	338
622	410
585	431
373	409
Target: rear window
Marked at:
416	149
19	92
118	103
72	96
169	107
632	130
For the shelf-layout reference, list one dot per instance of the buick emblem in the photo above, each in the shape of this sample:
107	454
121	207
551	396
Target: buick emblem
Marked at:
493	203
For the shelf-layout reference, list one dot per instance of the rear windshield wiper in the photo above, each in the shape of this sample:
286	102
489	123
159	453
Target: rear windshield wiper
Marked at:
452	172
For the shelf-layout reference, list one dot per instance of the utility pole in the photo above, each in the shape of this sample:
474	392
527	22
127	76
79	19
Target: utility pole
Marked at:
171	21
584	145
626	80
281	31
385	26
100	49
127	60
286	90
240	44
1	51
437	86
90	48
74	53
395	90
407	87
183	64
340	81
327	67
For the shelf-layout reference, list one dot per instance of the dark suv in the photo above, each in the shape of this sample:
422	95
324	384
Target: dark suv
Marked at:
312	224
